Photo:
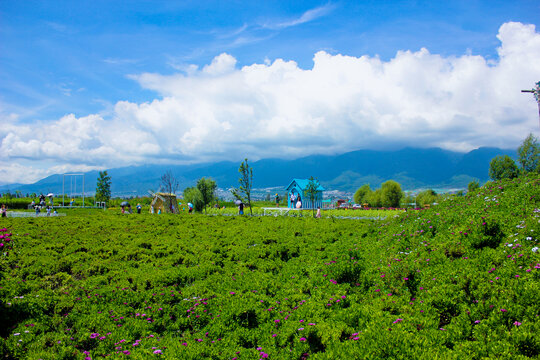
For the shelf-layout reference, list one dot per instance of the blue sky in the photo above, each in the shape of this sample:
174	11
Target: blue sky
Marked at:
164	73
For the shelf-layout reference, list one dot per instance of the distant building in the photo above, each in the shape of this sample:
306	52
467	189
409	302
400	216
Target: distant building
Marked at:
298	186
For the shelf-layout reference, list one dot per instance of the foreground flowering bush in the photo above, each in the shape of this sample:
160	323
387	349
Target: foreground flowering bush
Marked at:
458	281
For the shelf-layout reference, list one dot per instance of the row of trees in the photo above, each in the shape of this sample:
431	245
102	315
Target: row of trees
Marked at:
388	195
504	167
201	195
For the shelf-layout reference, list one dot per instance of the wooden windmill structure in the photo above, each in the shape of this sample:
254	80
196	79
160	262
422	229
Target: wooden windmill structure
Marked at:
163	202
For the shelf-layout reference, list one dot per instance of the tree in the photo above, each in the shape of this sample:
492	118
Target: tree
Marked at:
311	192
207	188
169	183
103	187
426	197
243	193
503	167
473	185
374	198
529	154
391	194
361	194
408	199
194	196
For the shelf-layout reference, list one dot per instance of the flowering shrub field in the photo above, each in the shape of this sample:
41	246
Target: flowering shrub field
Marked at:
458	281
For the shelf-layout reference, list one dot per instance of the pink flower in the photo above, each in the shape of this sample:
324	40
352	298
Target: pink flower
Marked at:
303	339
504	310
397	320
517	323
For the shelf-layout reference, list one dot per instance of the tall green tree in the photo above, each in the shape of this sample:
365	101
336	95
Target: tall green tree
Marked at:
503	167
103	187
311	192
361	194
391	194
207	188
374	198
243	192
194	196
529	154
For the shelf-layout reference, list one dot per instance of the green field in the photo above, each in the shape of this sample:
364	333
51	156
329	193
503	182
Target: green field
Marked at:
458	281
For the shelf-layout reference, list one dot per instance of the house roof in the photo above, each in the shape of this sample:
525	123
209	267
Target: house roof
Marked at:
303	184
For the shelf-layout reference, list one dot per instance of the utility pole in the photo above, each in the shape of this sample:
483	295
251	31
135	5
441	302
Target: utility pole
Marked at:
536	92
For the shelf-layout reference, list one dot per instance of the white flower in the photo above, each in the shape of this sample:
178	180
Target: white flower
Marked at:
535	249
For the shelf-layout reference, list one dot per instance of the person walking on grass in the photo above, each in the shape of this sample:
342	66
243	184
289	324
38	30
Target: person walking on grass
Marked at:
277	200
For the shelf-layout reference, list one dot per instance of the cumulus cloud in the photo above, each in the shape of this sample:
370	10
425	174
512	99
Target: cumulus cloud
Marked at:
277	109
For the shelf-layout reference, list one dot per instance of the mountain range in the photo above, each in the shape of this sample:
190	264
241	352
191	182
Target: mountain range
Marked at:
413	168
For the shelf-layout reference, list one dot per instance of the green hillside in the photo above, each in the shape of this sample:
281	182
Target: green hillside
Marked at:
458	281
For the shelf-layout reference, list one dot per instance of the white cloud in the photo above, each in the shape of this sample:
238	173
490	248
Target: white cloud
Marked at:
277	109
307	16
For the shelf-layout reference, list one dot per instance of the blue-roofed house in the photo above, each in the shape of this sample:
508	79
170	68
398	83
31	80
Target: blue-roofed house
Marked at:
298	186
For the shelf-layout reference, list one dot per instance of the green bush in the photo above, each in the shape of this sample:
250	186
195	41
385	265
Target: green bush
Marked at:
460	280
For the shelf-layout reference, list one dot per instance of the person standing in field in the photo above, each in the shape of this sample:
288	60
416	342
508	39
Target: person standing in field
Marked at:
298	202
139	208
318	213
241	208
277	200
293	200
3	210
